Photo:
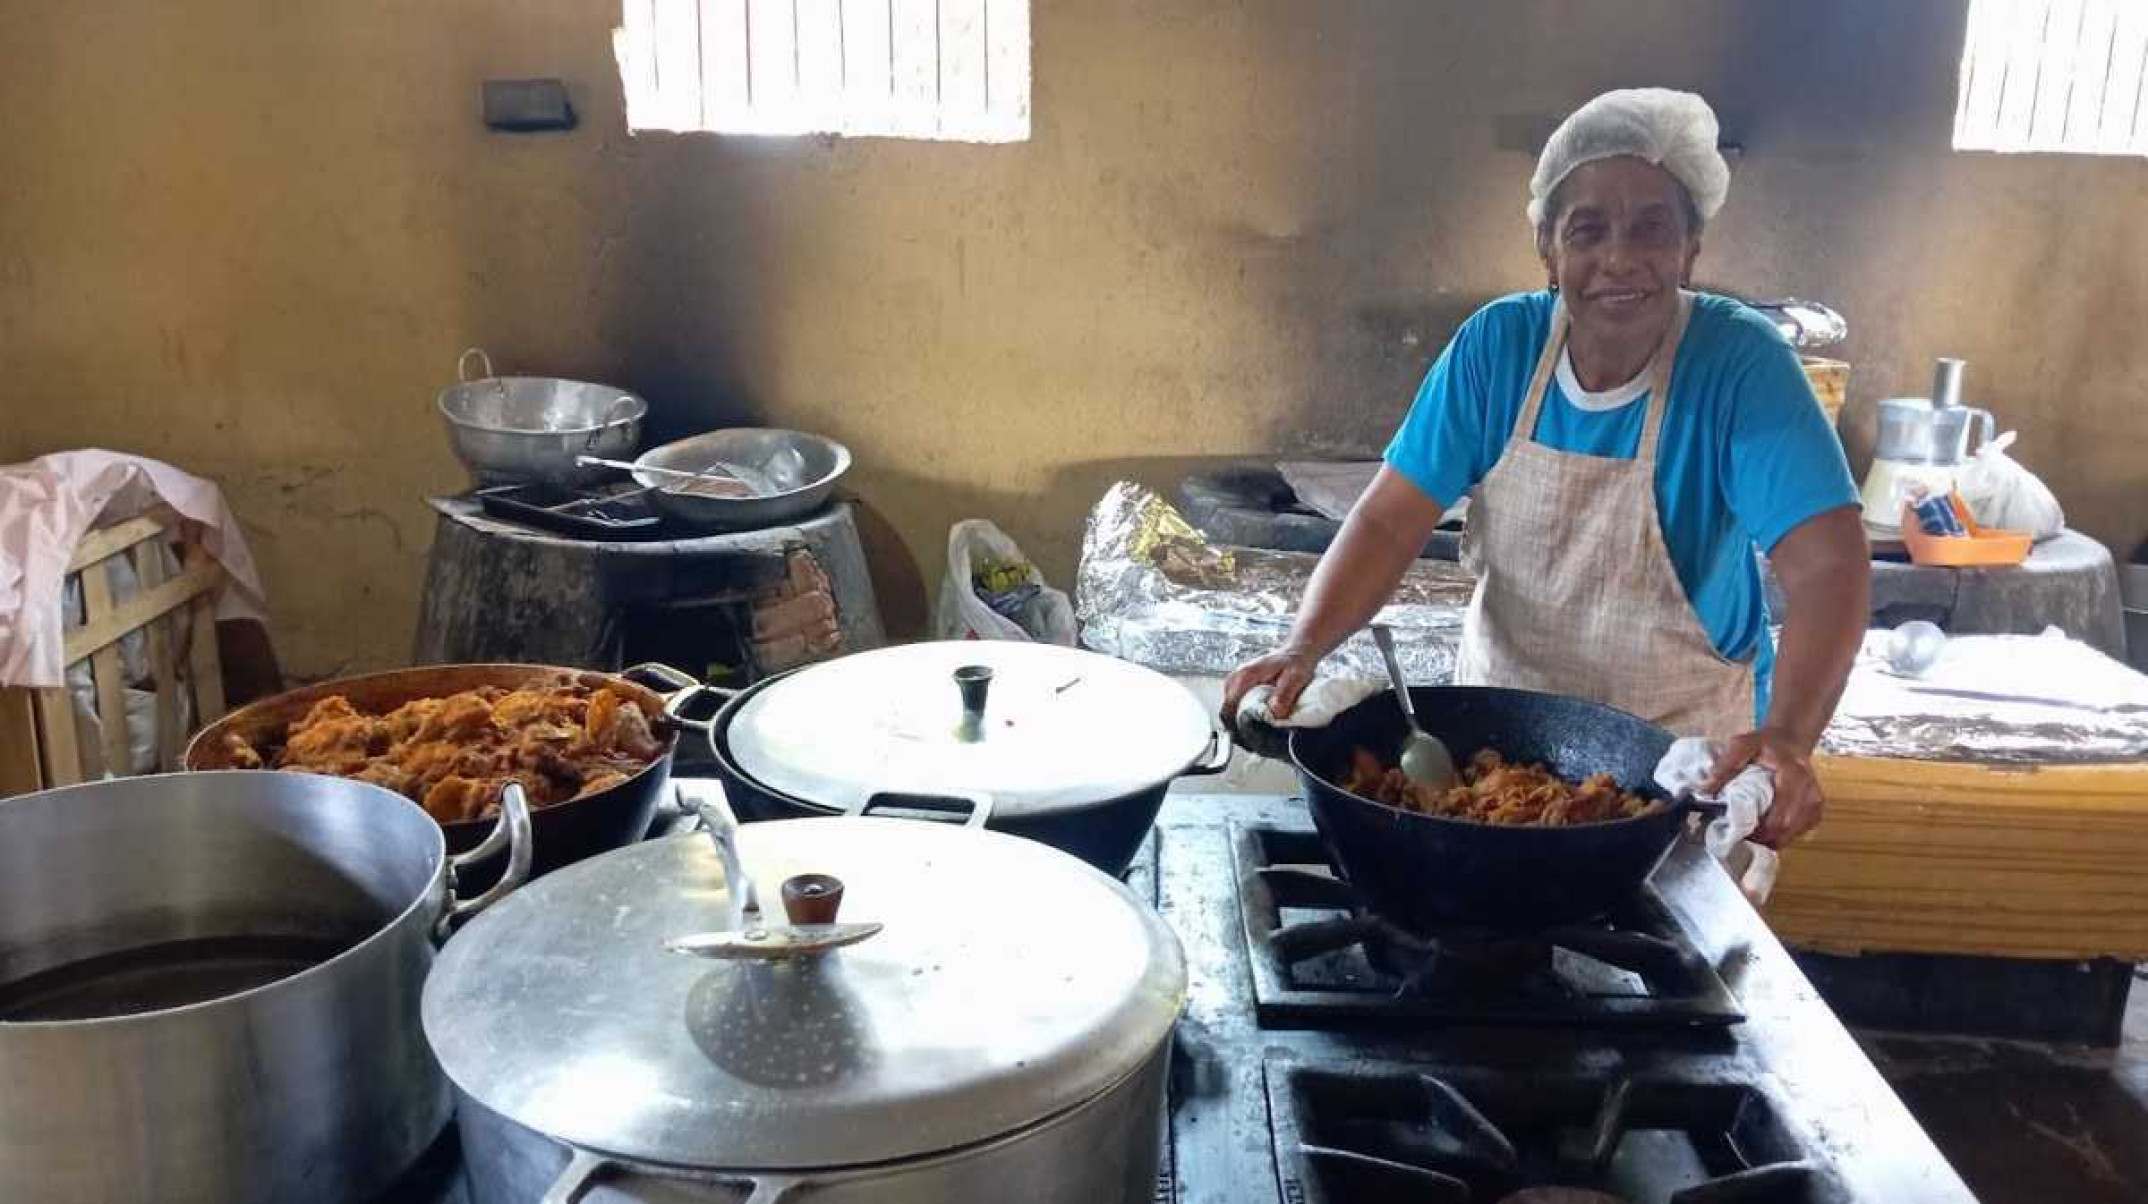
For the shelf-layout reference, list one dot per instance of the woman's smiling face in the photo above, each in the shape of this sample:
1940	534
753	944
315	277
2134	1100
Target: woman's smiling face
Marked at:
1619	242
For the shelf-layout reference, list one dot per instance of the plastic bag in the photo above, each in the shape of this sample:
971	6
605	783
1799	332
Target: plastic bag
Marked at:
993	592
2003	495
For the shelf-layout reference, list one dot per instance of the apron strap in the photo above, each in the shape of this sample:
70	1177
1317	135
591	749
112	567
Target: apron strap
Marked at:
1659	380
1546	364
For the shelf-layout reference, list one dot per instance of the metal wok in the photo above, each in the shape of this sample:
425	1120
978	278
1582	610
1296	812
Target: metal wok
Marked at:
1427	872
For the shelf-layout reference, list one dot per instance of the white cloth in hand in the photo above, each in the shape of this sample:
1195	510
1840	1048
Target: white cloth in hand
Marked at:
1260	732
1318	704
1744	800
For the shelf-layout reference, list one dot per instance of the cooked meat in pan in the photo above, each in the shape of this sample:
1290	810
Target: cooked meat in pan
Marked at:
1495	791
451	755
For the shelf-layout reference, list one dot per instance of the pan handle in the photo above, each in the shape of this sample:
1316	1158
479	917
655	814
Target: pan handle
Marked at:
586	1171
618	413
663	675
708	800
512	833
1214	759
968	807
462	365
683	689
1710	807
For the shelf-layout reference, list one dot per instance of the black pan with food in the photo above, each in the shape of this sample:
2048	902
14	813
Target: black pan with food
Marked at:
563	832
1427	872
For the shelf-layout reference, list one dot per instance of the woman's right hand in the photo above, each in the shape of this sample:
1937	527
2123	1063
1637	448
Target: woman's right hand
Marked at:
1289	670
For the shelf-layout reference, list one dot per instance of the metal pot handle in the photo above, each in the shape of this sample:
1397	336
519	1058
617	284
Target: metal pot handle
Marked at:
972	807
584	1170
462	365
512	833
1991	426
615	414
714	808
684	688
1214	759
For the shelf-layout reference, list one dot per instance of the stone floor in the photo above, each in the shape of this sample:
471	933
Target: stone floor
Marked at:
2030	1123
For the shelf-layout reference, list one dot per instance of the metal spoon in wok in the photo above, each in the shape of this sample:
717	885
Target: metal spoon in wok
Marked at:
1425	760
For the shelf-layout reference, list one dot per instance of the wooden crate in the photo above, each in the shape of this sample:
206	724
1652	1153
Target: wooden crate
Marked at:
38	743
1929	857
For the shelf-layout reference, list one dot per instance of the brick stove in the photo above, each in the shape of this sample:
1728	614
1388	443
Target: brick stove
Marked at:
731	608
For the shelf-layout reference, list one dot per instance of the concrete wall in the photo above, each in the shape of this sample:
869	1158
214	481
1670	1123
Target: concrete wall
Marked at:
251	237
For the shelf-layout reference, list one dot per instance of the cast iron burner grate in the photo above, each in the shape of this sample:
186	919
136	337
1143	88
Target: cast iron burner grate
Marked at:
1373	1132
1320	959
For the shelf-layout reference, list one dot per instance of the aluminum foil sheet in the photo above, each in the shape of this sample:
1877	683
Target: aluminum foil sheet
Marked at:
1153	590
1997	699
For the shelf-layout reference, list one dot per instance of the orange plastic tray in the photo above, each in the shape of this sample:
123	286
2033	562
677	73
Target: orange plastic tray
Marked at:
1983	547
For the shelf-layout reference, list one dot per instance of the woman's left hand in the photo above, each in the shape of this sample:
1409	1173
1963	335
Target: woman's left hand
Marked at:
1798	804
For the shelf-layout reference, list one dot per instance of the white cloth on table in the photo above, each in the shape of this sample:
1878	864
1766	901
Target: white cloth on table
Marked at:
48	504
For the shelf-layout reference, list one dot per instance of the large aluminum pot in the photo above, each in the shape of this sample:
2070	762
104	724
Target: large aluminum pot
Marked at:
998	1031
209	987
509	429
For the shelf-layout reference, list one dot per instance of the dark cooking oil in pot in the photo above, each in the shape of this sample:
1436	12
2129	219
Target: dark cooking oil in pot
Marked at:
166	975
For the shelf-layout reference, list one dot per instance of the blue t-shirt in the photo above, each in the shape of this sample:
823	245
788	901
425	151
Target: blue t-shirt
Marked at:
1746	454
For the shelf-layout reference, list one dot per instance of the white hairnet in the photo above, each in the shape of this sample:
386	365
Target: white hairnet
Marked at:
1674	130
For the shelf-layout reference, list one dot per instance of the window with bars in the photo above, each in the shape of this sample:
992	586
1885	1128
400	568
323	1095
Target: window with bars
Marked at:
2055	75
955	70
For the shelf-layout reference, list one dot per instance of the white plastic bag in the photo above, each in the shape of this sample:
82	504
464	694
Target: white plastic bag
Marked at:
1034	611
2002	494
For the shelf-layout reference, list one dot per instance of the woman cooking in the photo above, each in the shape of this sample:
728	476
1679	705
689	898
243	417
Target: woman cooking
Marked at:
1626	445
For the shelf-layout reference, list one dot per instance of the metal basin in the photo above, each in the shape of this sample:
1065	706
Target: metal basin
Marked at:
804	469
507	429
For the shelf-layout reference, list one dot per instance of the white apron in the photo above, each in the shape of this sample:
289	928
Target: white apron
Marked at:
1576	592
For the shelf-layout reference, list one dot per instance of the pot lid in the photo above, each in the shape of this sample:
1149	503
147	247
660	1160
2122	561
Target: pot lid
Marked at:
1059	727
1010	983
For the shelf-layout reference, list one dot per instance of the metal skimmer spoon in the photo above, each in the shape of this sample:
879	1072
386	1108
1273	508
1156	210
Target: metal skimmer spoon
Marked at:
1425	760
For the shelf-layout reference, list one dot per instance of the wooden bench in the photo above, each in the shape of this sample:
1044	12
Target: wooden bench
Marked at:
176	611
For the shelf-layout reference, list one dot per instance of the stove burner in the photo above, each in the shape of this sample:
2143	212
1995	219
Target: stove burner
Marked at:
1373	1132
1319	958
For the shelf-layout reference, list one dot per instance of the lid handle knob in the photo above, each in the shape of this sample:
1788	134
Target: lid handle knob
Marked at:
812	898
975	681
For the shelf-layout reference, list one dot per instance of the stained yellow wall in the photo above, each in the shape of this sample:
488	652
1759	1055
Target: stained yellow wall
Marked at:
250	238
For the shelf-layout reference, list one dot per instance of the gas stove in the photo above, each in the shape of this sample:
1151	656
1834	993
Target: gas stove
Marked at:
1669	1054
1321	959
